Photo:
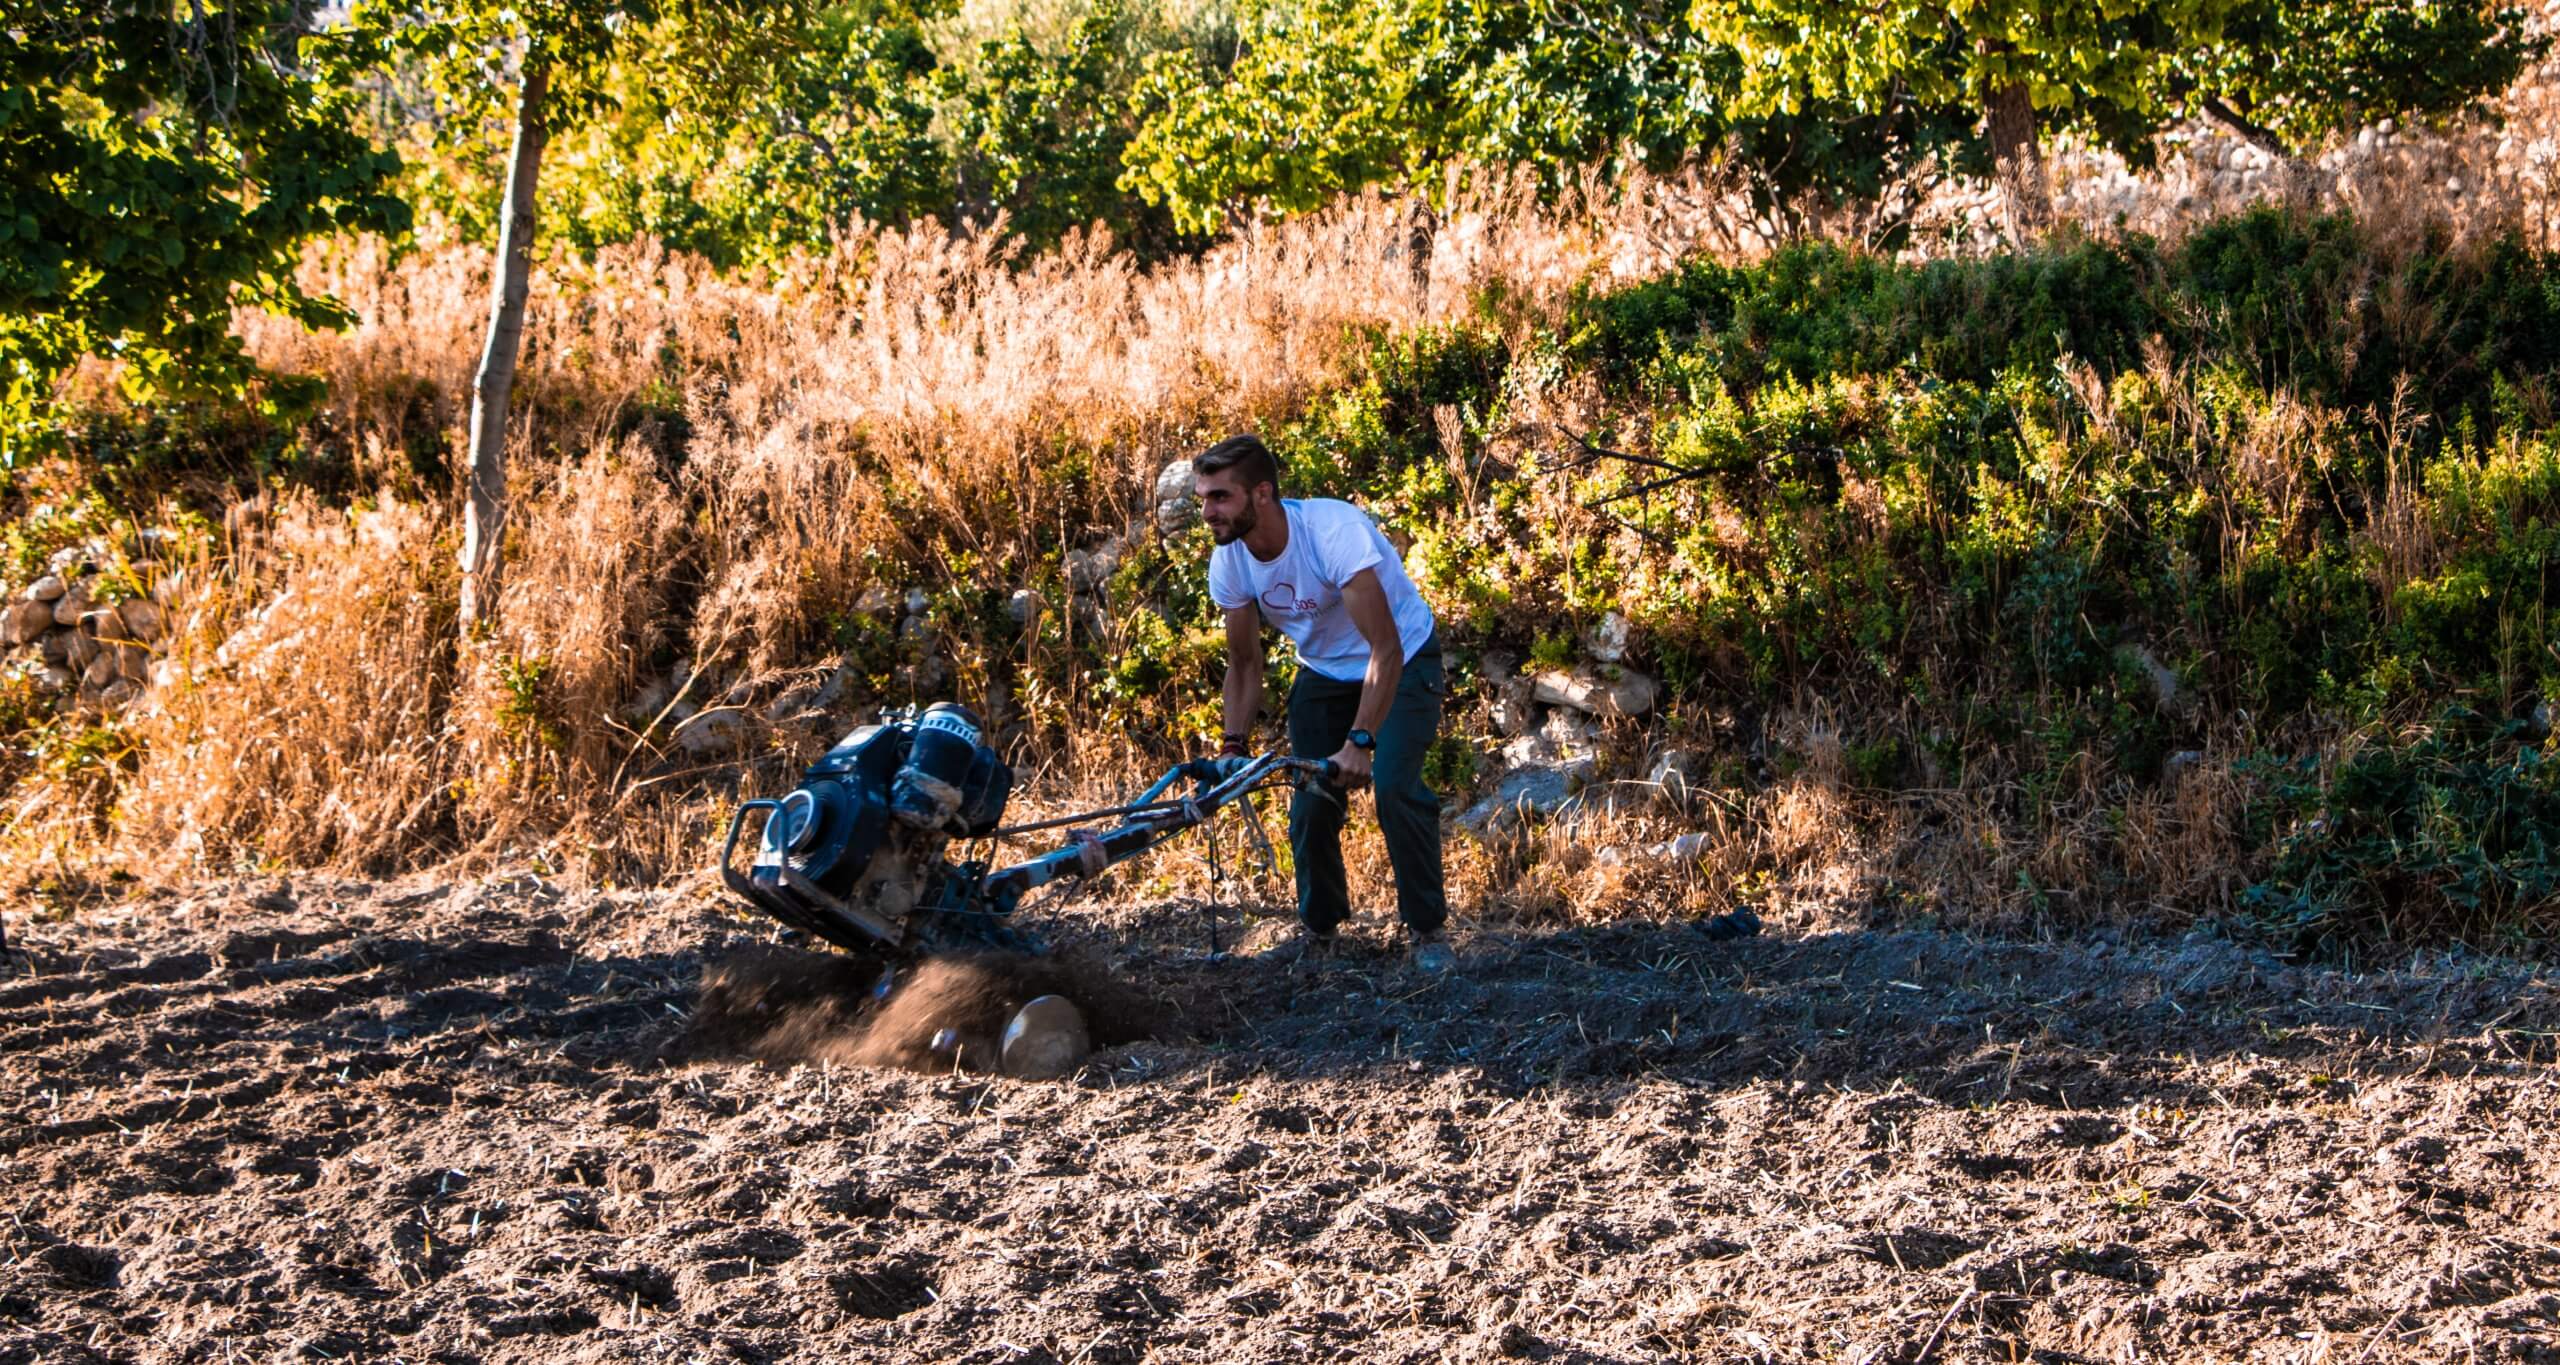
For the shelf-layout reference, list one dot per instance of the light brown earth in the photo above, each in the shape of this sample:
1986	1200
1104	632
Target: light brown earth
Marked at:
499	1122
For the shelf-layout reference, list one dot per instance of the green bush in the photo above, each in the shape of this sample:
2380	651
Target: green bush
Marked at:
2450	831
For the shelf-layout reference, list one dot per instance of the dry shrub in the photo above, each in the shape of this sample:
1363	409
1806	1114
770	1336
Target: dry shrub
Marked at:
303	721
2183	841
597	553
853	416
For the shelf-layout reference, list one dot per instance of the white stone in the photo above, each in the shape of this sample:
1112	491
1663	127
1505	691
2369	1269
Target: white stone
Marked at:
1044	1040
918	601
711	734
1607	639
1681	849
1522	794
1024	607
47	588
55	678
74	601
1513	713
1676	770
106	623
1528	750
791	703
650	700
928	675
1177	505
1626	694
101	669
1568	730
79	649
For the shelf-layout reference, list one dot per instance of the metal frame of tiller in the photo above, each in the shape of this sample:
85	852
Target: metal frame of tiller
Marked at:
969	894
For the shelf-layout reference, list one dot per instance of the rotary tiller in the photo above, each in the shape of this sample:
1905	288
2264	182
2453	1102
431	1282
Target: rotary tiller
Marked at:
857	854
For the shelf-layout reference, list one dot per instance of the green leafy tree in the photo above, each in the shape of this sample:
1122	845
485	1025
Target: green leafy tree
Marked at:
162	168
847	131
2287	75
1312	105
2008	59
1329	96
1039	135
2279	71
548	62
879	111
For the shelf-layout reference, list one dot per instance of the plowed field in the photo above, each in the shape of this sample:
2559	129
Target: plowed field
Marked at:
499	1122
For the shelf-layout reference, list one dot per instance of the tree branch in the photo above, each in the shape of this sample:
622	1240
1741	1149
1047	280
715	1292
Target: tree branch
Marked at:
2255	134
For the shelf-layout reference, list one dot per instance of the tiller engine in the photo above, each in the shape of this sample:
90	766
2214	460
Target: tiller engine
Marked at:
857	854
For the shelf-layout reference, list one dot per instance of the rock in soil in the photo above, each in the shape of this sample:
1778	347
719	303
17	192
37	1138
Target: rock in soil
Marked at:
500	1121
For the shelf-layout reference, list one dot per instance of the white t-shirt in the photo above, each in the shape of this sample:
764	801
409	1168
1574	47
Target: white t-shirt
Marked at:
1301	591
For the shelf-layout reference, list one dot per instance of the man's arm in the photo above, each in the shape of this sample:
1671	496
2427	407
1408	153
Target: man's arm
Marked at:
1244	670
1367	603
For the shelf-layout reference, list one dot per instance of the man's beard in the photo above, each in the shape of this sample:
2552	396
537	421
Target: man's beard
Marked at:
1237	527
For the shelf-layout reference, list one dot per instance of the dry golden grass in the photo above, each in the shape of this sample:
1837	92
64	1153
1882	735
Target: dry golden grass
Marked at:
848	410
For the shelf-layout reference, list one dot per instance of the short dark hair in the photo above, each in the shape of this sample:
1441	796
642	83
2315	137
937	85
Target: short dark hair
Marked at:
1248	456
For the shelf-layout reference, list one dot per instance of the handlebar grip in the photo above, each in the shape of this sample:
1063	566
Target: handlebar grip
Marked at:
1332	773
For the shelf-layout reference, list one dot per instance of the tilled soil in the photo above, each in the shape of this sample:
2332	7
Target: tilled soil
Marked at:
498	1122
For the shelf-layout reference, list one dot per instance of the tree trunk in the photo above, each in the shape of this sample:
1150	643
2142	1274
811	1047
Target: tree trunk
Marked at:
484	517
2025	198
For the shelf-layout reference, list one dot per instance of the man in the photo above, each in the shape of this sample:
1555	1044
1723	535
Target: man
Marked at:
1368	688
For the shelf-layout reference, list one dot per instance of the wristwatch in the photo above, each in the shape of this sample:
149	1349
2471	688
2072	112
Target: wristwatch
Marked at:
1363	741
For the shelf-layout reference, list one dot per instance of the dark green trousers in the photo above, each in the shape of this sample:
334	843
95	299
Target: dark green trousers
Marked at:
1320	714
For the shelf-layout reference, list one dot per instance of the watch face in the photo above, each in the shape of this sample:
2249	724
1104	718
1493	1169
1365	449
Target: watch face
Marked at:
1362	739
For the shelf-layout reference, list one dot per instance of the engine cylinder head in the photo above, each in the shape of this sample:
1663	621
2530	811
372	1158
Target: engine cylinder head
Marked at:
928	790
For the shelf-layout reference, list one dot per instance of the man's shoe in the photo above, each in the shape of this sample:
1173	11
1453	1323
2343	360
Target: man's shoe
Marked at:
1302	944
1431	953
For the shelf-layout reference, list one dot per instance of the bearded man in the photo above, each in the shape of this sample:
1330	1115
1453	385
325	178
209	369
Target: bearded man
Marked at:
1368	687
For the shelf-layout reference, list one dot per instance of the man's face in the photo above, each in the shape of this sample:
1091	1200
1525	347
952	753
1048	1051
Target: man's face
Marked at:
1226	504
